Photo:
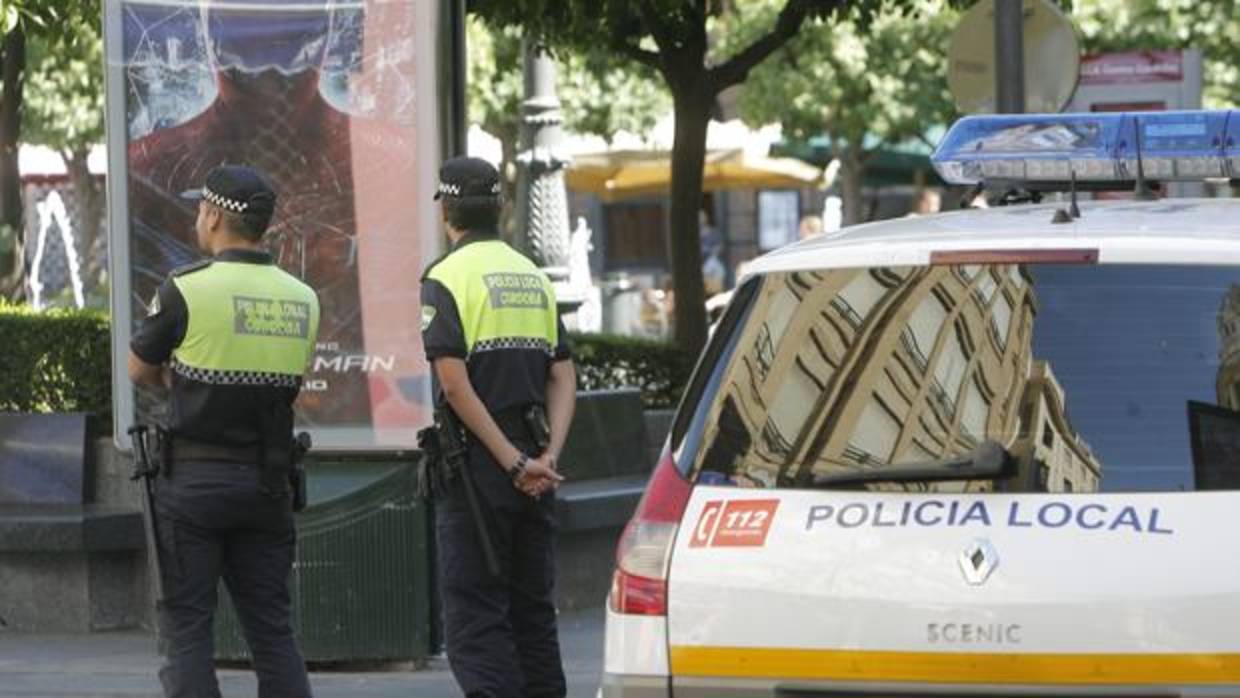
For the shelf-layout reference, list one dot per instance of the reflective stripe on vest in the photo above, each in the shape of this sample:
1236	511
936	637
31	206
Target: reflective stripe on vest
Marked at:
250	324
509	309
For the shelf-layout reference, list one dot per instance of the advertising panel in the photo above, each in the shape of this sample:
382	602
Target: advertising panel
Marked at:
323	96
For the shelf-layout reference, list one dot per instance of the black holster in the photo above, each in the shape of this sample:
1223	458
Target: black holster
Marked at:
535	417
297	475
276	463
429	472
153	451
443	455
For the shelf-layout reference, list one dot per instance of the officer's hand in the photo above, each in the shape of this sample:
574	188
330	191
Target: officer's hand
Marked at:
540	476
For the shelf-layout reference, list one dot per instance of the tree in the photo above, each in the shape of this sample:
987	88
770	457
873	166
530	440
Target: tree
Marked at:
64	105
1124	25
596	97
21	20
865	90
671	37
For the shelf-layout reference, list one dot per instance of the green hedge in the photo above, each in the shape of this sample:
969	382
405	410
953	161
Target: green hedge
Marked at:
59	361
659	369
55	361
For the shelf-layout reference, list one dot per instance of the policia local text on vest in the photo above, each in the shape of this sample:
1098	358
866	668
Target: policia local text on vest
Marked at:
229	338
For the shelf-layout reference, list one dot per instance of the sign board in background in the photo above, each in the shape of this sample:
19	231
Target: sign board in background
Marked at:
1051	55
336	102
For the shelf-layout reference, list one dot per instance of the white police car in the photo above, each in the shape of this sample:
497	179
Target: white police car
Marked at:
979	453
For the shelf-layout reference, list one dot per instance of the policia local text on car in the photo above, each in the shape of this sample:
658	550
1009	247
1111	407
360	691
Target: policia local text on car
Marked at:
491	331
229	337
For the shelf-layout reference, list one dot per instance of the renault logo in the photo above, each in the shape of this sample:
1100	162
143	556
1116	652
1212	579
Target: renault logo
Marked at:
977	561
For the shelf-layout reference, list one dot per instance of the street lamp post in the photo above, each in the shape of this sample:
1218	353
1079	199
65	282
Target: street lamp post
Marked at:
1010	56
542	207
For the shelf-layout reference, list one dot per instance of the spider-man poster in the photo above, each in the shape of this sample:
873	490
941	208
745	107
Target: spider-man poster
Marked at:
320	95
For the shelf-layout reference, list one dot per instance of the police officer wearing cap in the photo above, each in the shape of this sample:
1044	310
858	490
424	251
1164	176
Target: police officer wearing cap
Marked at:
493	336
229	337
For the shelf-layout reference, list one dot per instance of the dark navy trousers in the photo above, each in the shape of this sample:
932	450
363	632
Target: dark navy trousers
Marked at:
500	631
213	524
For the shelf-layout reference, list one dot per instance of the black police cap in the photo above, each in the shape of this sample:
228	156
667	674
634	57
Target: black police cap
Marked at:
467	177
236	188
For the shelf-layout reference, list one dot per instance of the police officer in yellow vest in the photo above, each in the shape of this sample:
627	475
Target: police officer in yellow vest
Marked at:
229	337
491	331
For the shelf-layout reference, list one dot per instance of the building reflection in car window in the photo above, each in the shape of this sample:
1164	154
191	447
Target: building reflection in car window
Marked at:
1084	373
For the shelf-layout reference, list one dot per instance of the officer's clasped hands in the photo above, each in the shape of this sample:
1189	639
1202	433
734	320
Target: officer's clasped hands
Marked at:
540	476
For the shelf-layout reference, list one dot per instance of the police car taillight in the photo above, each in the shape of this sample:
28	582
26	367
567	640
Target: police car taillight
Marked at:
639	586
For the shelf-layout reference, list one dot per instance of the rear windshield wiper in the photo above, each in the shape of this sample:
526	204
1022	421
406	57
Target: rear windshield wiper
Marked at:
989	460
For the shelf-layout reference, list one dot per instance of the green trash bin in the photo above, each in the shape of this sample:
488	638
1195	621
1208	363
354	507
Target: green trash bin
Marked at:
361	583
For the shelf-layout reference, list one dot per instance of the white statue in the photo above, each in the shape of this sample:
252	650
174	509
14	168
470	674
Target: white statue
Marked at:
52	213
590	313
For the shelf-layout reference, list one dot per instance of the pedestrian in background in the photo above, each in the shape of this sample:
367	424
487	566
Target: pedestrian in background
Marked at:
809	227
499	354
926	202
229	337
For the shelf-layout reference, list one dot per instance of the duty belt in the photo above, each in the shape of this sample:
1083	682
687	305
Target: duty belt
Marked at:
190	450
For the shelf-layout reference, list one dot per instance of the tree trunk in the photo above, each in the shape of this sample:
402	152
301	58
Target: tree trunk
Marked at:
692	112
12	75
89	195
852	179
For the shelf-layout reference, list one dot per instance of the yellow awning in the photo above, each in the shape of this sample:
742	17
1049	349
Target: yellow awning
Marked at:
625	173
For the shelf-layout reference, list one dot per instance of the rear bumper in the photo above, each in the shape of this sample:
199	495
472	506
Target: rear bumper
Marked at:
635	657
635	645
632	686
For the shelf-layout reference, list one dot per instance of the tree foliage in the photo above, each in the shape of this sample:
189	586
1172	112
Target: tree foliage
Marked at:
63	109
597	97
43	17
865	88
674	38
55	22
1210	25
64	88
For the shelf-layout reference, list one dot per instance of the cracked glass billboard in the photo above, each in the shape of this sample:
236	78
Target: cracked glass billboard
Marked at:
322	96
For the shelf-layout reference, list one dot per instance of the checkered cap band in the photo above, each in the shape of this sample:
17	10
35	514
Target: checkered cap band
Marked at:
215	377
446	189
224	202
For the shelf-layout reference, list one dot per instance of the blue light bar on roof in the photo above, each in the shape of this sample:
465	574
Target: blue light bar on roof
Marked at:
1231	145
1177	145
1102	147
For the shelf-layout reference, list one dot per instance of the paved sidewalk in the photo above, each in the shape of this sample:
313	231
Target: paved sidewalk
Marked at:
124	665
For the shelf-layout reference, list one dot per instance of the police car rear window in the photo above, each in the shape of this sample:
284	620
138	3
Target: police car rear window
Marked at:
1091	378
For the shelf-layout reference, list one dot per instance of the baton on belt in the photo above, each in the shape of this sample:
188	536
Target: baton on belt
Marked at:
145	470
455	456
